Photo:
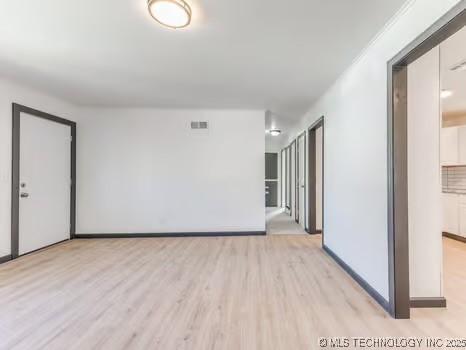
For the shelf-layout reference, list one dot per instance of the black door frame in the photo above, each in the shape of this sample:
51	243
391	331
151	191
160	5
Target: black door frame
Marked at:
398	241
312	181
17	109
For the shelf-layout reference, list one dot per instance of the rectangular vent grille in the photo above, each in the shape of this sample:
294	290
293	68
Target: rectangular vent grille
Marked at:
199	125
203	125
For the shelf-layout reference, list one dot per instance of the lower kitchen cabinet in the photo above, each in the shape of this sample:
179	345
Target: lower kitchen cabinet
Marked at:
451	211
454	213
462	215
462	221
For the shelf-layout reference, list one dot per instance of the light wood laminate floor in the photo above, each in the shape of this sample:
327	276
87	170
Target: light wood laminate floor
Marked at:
263	292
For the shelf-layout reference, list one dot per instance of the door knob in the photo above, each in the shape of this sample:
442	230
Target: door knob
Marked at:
24	195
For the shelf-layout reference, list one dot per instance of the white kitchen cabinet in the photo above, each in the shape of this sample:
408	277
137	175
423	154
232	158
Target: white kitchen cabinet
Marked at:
462	215
453	145
449	145
462	220
462	145
451	213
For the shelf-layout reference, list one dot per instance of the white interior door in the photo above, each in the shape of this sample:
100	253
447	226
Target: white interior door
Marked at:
45	183
288	180
302	179
319	173
293	179
283	179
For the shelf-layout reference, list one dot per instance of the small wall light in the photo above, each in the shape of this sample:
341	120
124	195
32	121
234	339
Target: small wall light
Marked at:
446	93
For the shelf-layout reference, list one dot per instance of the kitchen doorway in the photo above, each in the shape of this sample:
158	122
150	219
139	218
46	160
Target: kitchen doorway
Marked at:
415	94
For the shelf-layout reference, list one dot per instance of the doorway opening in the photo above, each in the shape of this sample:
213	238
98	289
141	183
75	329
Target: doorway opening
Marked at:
414	170
43	198
290	216
271	180
316	178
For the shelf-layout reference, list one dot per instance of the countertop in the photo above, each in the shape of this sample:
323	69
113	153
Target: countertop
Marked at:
455	191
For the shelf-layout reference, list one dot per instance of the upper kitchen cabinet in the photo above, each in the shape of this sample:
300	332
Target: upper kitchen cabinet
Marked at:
462	145
449	146
453	146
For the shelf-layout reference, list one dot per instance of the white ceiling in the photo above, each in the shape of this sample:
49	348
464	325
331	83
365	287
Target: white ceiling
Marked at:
452	52
260	54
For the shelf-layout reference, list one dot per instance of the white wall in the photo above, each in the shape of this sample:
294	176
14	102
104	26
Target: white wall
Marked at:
171	178
355	176
424	179
12	92
273	144
142	170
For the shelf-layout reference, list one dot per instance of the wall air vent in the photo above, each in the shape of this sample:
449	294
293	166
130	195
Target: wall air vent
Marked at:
199	125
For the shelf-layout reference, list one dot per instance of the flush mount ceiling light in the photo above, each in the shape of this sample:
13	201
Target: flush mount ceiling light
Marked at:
170	13
446	93
275	132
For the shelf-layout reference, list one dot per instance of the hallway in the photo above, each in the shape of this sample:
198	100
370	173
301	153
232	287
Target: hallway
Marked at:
280	223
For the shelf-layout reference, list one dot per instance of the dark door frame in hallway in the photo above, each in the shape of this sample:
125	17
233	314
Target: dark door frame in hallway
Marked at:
398	242
312	181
